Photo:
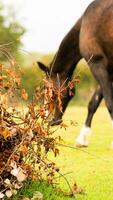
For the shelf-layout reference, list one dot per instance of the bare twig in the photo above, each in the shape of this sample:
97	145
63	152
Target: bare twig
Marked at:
82	150
67	184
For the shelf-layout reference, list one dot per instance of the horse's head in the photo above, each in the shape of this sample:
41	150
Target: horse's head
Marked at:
50	79
56	93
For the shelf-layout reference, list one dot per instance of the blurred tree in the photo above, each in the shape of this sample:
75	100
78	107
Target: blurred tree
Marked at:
10	33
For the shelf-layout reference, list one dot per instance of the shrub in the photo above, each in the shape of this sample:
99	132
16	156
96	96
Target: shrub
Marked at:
25	137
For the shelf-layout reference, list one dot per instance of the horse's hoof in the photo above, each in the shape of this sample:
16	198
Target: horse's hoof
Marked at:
55	122
78	145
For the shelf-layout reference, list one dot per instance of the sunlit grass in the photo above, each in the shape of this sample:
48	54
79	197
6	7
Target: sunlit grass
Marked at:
91	170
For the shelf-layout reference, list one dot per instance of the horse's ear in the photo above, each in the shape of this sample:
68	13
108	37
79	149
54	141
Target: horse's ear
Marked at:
43	67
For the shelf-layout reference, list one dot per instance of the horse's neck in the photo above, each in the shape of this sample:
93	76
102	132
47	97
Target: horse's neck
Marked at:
68	54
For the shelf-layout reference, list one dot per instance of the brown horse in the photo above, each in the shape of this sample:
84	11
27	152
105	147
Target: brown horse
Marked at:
90	38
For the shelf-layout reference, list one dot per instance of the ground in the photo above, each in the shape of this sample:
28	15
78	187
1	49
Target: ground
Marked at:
92	168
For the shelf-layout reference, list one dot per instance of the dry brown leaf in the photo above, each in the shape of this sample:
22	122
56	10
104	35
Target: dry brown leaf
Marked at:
1	195
70	85
7	182
9	193
5	133
23	149
62	125
24	94
74	190
21	176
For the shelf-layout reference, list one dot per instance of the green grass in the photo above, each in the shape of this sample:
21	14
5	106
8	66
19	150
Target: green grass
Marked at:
91	170
47	190
94	171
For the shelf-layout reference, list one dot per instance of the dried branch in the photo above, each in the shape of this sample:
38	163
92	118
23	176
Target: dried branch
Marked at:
67	184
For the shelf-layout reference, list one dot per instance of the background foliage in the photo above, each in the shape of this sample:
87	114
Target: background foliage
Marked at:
11	32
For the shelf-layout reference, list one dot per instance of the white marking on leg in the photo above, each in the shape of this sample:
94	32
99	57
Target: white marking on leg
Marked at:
82	139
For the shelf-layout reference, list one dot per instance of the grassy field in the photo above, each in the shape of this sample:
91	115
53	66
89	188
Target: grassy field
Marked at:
94	171
91	169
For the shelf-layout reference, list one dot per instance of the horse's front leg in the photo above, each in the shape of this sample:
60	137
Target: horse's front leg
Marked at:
82	139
